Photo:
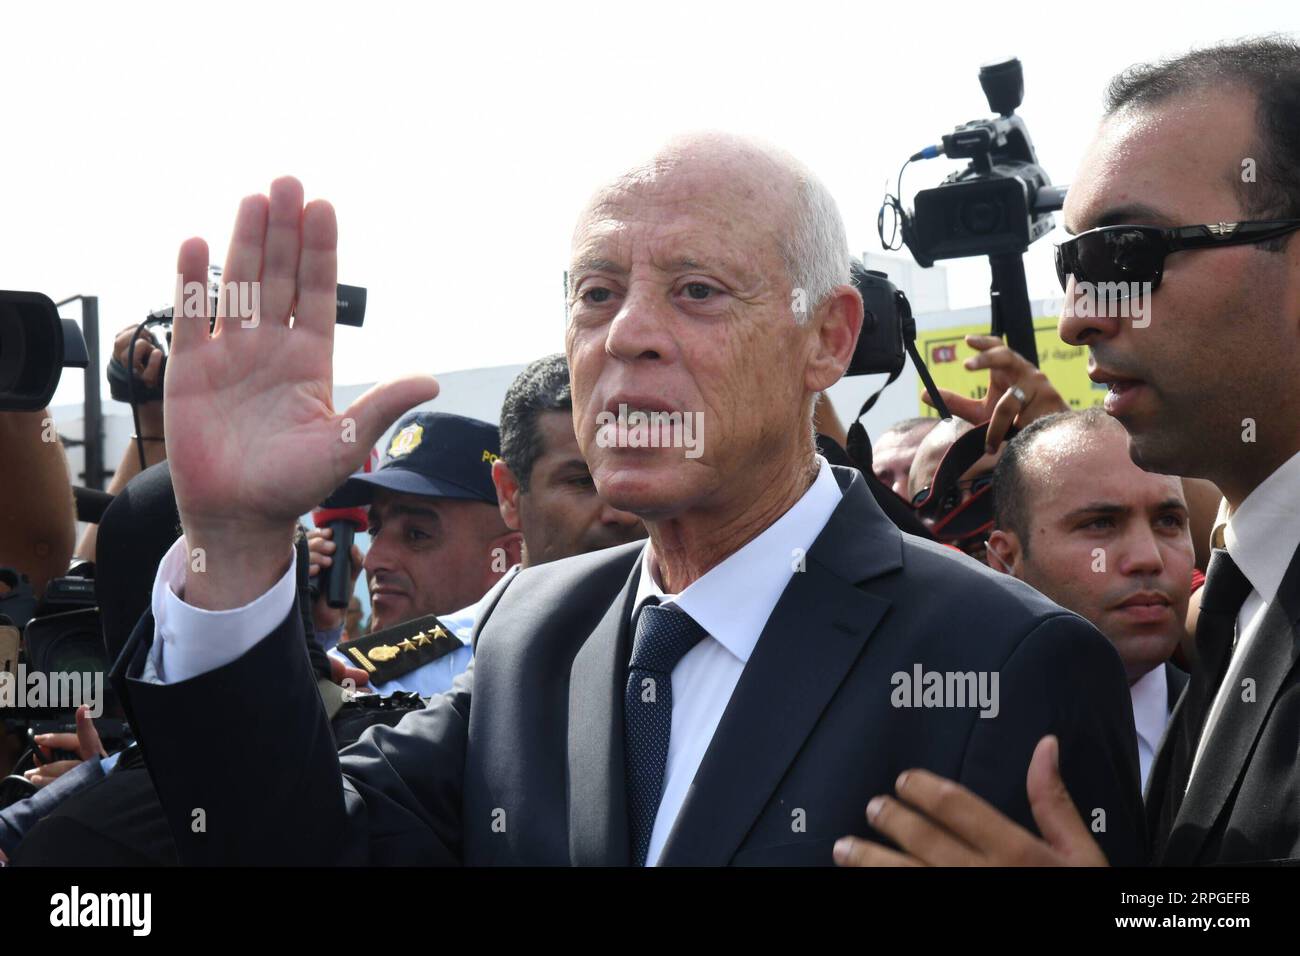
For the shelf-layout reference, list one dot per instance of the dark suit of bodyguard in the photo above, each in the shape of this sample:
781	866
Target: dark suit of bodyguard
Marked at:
555	747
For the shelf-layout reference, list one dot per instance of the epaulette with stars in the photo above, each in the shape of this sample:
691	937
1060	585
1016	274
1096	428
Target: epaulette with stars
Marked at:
398	650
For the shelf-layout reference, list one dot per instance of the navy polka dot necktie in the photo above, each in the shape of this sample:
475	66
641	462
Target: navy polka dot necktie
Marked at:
663	636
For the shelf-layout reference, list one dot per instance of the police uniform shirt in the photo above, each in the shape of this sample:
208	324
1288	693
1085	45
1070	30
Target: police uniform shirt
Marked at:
436	676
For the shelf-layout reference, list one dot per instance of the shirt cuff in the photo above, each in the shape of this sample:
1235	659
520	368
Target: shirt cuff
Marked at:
189	641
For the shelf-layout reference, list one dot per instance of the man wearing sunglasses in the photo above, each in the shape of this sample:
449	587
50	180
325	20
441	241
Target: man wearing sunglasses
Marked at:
1189	193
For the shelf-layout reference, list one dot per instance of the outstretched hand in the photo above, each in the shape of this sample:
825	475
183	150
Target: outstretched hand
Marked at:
252	434
937	822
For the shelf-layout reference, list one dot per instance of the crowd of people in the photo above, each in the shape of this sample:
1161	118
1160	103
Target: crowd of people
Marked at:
1076	646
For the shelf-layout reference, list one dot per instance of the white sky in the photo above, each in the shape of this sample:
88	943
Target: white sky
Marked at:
458	144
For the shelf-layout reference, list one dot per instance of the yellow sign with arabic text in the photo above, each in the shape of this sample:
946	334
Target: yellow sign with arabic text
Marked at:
945	352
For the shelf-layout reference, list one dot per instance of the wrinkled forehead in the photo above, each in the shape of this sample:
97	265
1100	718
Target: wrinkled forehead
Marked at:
686	208
1175	162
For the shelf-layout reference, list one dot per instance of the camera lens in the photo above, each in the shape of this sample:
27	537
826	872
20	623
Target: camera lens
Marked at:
981	218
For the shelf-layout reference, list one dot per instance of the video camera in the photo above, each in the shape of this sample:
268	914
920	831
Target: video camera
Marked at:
350	309
37	344
1003	200
52	660
997	206
123	385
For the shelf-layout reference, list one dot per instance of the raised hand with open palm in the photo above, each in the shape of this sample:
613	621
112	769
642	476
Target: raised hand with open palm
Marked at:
252	434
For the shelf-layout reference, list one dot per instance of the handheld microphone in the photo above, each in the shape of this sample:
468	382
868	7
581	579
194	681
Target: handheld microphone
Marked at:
335	582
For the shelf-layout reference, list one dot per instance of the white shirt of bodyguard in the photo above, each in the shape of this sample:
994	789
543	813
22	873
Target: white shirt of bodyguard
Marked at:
1261	536
1150	696
732	602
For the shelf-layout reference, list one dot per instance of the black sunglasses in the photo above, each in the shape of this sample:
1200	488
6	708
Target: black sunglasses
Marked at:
1137	253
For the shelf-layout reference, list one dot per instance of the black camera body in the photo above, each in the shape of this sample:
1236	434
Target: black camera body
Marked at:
979	213
1002	202
59	635
36	344
887	324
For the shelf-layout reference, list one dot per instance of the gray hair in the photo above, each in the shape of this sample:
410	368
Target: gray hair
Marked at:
814	245
816	252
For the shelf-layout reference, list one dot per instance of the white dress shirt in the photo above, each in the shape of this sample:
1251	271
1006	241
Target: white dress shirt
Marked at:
1262	536
1150	696
189	641
732	602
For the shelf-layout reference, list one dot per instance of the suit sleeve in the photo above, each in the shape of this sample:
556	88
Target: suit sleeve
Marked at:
1065	679
244	763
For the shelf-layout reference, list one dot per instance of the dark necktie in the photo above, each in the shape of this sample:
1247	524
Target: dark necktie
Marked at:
663	636
1226	588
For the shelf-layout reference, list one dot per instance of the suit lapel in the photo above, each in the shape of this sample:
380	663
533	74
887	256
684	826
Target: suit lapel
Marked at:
815	634
132	657
1158	779
1175	682
598	834
1271	657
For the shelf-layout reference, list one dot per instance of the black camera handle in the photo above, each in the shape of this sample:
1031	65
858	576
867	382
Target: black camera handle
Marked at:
1012	317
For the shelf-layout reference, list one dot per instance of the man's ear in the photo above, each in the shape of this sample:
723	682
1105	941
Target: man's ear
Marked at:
507	486
504	552
836	322
1003	553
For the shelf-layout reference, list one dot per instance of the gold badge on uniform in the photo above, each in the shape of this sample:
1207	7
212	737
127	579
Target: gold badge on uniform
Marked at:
406	441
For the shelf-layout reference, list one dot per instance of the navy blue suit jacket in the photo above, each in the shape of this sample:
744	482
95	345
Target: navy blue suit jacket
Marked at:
522	761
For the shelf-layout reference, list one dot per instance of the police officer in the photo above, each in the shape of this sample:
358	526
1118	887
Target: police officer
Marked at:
438	544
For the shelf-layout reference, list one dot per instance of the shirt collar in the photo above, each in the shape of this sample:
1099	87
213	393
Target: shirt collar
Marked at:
1263	533
734	599
1220	525
1150	696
